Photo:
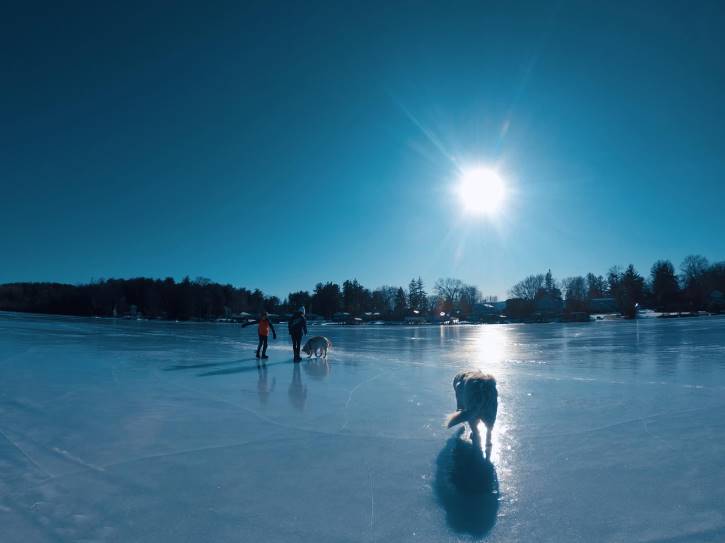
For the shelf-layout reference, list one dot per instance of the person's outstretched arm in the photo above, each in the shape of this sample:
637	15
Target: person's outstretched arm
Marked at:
271	326
249	323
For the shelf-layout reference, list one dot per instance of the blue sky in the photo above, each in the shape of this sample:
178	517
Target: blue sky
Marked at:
275	146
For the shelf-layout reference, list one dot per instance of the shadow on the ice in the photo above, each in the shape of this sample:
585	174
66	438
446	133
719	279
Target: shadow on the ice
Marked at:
297	390
264	389
466	486
243	369
317	368
177	367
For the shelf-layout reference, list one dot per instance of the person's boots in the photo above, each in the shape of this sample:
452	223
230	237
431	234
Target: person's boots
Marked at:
257	354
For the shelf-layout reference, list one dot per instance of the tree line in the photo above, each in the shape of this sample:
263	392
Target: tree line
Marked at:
694	288
203	299
698	286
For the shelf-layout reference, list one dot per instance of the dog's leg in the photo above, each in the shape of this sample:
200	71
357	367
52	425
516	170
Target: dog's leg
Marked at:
458	389
489	429
475	436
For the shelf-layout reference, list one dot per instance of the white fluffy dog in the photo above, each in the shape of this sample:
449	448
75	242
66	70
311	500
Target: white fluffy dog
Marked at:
477	399
318	346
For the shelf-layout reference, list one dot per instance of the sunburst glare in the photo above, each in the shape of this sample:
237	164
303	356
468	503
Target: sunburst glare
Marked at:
481	191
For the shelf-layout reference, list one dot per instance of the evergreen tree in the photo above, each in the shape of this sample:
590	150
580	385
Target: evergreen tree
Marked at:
326	299
628	291
549	284
299	299
413	294
356	298
665	290
614	276
416	295
550	288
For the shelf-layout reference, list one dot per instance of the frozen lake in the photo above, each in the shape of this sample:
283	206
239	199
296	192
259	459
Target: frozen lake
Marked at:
168	432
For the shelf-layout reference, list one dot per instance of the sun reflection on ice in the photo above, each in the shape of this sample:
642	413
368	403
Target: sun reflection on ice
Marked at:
490	348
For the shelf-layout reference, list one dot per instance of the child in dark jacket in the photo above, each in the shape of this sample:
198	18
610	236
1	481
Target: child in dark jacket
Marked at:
265	325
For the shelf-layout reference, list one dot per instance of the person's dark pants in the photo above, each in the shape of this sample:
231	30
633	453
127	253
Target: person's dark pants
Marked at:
296	343
262	345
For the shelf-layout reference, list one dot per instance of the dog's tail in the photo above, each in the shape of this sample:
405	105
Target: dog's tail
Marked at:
456	418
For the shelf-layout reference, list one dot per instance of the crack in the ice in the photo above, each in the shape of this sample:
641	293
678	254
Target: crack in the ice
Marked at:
567	377
61	452
352	391
668	414
113	374
63	396
658	438
372	501
76	459
25	454
103	468
297	428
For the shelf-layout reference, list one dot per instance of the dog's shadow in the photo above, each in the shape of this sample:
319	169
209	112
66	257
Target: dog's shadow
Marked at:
466	486
318	368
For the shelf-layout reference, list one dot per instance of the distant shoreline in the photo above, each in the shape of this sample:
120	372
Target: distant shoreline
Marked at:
608	317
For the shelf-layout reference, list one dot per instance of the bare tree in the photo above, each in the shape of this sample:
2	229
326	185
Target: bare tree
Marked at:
383	299
448	291
469	297
528	287
596	286
575	291
692	269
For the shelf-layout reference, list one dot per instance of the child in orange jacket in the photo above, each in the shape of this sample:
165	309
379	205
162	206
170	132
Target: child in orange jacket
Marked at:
265	325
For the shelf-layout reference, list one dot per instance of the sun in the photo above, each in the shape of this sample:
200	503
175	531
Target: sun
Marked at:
482	192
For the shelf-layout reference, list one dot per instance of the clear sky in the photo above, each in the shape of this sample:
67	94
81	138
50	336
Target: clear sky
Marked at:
275	146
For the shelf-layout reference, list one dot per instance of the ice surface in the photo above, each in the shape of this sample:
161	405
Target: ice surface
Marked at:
155	431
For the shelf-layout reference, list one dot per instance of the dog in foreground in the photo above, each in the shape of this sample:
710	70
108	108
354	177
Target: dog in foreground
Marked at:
476	399
318	346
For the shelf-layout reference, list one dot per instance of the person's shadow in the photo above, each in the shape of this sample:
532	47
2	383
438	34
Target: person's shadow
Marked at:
297	391
264	389
466	486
